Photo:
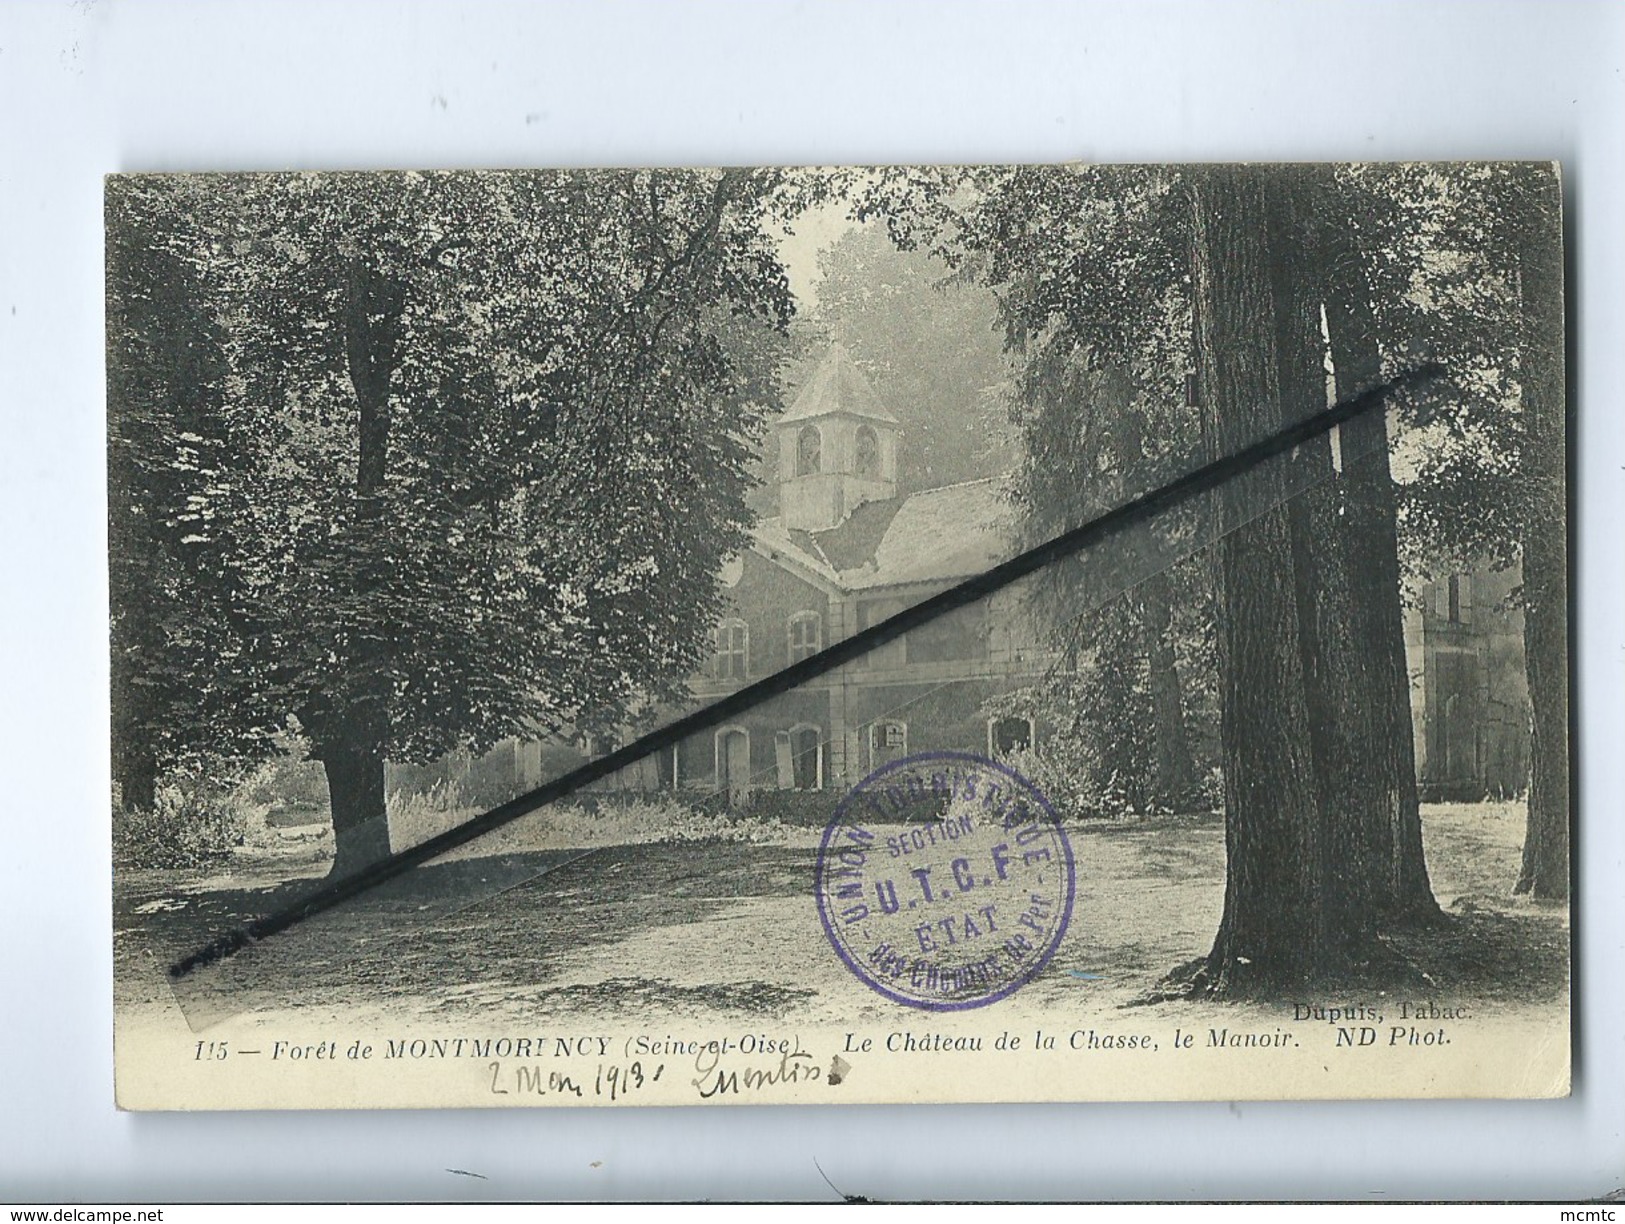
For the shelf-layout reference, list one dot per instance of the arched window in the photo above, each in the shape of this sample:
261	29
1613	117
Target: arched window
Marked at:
1005	735
809	447
868	456
732	658
806	635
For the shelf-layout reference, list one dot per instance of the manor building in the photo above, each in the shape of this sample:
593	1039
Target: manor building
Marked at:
845	551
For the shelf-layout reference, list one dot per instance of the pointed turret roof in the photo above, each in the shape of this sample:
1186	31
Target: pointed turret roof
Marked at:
837	385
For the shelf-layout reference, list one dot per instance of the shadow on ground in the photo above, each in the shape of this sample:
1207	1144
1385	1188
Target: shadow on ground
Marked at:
699	928
501	926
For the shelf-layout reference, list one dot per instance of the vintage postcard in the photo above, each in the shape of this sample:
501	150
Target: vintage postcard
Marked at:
685	637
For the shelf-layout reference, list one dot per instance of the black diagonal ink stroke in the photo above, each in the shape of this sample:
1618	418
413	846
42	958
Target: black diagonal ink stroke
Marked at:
1113	522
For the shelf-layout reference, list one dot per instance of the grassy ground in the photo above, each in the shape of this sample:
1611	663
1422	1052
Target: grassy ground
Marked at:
567	922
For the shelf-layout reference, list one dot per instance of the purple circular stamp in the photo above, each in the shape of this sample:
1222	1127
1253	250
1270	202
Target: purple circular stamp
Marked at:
945	881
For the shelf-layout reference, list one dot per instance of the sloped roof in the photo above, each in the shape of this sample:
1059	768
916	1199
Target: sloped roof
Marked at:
952	532
855	541
837	385
940	534
774	539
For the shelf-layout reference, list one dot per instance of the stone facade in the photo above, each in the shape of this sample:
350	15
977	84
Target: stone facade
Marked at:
1469	695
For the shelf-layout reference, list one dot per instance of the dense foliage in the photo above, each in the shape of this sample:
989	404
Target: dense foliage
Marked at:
403	458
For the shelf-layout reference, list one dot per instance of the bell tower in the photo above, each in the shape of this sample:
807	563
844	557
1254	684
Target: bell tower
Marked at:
837	447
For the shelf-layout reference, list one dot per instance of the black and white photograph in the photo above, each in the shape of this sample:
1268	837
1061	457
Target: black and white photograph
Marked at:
838	635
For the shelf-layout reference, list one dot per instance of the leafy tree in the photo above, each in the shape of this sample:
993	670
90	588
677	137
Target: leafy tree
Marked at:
1465	262
1088	434
1105	274
1089	268
1311	883
166	377
482	444
935	342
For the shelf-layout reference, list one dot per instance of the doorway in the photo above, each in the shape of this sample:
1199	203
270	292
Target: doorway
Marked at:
806	758
733	763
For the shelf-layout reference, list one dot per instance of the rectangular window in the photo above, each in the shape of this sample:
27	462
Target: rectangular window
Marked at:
733	651
1441	600
1461	599
806	635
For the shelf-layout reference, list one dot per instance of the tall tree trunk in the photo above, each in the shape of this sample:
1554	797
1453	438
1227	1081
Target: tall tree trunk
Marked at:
1273	930
1545	869
355	787
1335	681
356	736
1176	770
1377	619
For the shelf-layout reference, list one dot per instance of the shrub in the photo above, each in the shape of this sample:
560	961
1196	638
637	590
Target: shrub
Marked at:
193	823
1068	776
1080	786
802	809
289	782
586	821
